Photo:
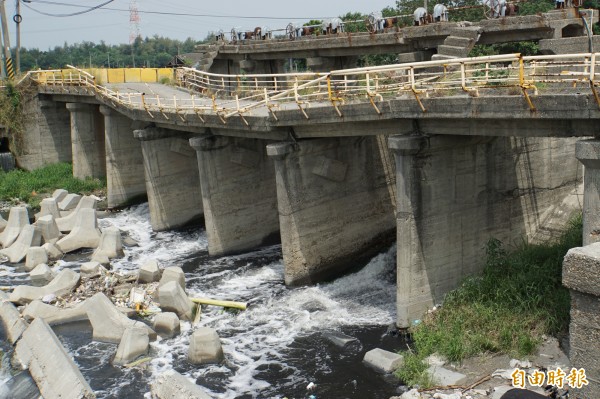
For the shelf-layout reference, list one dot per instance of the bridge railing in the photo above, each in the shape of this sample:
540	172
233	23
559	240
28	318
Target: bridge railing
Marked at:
238	95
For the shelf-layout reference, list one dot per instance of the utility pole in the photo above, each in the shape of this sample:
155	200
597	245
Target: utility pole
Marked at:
18	18
10	71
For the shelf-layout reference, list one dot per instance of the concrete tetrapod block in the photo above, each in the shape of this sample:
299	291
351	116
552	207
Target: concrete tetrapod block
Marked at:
108	323
48	207
14	325
48	229
110	245
3	224
59	194
171	384
30	237
90	270
69	202
17	219
172	298
173	273
53	251
205	347
383	361
65	281
66	224
134	343
85	233
166	325
53	370
149	272
35	256
443	377
53	315
41	275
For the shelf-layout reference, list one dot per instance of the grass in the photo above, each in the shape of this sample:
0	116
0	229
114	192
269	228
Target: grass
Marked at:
518	298
21	186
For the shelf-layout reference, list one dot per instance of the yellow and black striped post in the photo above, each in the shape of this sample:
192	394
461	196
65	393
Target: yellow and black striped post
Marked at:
10	70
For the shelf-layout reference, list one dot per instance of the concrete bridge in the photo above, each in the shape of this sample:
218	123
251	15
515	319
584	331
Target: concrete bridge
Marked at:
443	155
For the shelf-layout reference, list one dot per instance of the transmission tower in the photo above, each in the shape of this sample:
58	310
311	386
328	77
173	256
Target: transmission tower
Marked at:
134	21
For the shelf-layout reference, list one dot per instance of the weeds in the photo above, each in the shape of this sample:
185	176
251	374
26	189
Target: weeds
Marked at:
518	298
19	185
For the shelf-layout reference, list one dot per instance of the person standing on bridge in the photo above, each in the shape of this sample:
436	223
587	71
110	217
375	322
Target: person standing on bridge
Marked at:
560	4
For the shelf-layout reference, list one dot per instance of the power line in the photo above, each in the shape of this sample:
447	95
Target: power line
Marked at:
88	9
179	14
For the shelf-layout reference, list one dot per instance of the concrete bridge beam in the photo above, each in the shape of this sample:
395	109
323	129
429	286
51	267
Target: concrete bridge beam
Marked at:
334	205
87	140
588	153
239	194
171	174
124	160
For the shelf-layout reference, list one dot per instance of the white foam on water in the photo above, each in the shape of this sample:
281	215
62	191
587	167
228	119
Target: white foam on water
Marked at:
261	336
166	247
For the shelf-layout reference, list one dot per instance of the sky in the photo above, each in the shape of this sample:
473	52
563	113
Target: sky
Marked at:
197	18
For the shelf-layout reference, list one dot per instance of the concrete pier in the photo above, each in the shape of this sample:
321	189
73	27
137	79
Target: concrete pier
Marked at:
172	181
124	161
334	205
48	138
588	153
456	193
87	140
238	193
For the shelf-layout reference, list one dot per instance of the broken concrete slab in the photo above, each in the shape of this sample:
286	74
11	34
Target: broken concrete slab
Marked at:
54	253
67	223
35	256
48	207
13	324
69	202
41	275
173	273
85	233
51	367
65	281
166	325
48	229
54	316
383	361
172	298
17	219
171	384
90	270
108	323
30	237
110	246
205	347
443	376
134	344
149	272
342	340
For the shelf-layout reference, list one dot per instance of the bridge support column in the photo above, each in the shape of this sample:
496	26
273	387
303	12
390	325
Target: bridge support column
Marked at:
588	153
124	160
172	181
48	134
87	140
238	193
413	297
334	205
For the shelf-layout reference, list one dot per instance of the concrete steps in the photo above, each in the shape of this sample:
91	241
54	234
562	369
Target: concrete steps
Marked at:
458	44
208	59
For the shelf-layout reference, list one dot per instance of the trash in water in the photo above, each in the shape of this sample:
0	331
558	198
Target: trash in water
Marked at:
311	386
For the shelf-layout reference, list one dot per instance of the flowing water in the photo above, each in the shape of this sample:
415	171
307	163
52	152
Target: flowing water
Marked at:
275	348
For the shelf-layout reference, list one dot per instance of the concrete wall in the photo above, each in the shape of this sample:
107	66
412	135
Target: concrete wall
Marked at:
334	205
48	134
87	140
455	193
238	193
124	161
171	174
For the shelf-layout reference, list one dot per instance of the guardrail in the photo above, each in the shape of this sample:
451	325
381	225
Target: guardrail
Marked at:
237	95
